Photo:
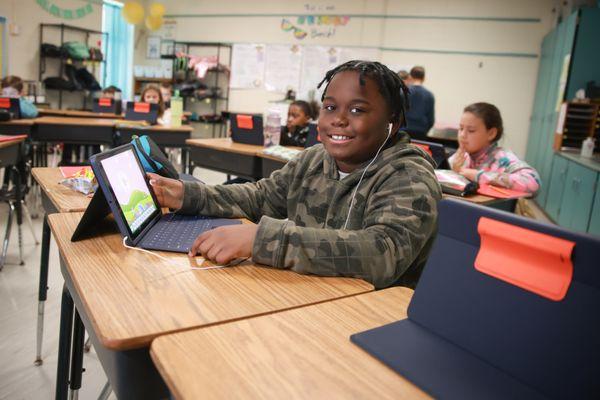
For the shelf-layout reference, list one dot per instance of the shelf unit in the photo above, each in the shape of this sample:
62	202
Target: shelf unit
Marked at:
63	61
215	78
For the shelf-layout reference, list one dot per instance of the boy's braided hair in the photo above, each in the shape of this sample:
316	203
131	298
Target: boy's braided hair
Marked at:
391	87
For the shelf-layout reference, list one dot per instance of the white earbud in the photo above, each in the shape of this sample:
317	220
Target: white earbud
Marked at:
390	125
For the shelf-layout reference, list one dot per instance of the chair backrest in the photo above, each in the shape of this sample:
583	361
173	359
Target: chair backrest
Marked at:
141	112
521	295
11	105
437	152
247	128
107	105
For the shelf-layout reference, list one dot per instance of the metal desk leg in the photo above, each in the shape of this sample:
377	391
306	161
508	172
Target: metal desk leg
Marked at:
64	345
76	357
43	290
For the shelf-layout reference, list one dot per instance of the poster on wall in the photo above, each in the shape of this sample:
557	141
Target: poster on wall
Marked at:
247	66
282	67
153	47
316	62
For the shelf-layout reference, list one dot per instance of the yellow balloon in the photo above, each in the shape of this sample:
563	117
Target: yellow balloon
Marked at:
157	10
133	12
153	23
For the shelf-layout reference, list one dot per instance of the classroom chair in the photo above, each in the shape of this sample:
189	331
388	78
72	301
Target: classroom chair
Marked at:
14	196
506	307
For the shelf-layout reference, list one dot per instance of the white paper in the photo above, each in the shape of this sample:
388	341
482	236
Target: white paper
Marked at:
282	69
316	62
247	66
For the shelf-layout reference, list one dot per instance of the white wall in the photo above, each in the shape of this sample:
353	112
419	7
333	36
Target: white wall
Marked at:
23	49
467	60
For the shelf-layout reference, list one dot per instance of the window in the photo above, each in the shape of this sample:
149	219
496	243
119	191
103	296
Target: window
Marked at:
119	49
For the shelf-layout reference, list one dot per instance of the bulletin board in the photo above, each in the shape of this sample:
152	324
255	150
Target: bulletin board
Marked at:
280	67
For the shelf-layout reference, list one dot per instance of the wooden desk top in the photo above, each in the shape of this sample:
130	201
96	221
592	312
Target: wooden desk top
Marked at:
75	121
301	353
475	198
226	144
63	198
8	143
76	113
22	122
131	297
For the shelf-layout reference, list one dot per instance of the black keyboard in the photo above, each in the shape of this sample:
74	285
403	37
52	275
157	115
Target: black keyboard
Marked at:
174	232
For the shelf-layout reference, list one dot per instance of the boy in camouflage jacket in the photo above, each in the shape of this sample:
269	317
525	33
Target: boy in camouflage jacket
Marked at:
363	204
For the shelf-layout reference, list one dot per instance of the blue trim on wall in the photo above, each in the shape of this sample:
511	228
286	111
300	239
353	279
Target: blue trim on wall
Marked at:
367	16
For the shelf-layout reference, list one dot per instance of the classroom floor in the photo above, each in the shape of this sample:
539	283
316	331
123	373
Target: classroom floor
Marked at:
19	377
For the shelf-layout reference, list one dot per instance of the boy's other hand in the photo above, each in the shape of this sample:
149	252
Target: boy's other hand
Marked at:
225	243
169	192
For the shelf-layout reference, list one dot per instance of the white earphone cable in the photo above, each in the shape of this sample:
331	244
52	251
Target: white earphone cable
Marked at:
363	175
169	261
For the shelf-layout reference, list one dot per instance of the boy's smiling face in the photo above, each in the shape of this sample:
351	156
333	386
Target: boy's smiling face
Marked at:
354	120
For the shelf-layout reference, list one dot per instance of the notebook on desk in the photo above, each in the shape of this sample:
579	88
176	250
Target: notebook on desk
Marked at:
136	211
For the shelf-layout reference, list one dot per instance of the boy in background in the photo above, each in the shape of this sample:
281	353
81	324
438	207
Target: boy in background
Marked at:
421	114
12	86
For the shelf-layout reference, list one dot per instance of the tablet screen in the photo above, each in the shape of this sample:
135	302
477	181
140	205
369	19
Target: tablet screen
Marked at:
127	182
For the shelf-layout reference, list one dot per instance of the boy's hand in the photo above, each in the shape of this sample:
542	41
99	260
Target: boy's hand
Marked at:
169	192
459	160
226	243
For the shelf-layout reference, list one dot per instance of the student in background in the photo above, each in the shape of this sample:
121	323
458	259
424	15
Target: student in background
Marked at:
363	205
110	92
12	86
166	90
152	95
295	132
421	113
404	75
481	160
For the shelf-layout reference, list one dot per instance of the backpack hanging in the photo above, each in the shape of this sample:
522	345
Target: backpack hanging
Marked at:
152	158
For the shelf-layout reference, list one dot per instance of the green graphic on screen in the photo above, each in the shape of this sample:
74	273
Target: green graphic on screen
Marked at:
129	186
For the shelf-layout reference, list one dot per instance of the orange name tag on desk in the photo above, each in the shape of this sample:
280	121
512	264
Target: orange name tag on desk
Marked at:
244	121
4	102
528	259
105	102
141	108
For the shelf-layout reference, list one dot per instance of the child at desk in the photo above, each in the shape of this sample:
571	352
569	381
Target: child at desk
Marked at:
363	205
295	132
12	86
166	93
152	95
481	160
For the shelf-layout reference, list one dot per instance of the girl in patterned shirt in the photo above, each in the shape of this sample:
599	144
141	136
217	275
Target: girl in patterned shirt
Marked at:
481	160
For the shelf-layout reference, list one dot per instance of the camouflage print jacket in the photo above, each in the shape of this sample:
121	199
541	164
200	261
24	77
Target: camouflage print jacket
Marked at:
301	209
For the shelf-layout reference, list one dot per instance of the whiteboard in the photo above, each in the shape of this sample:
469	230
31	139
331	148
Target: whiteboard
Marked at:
282	68
247	66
